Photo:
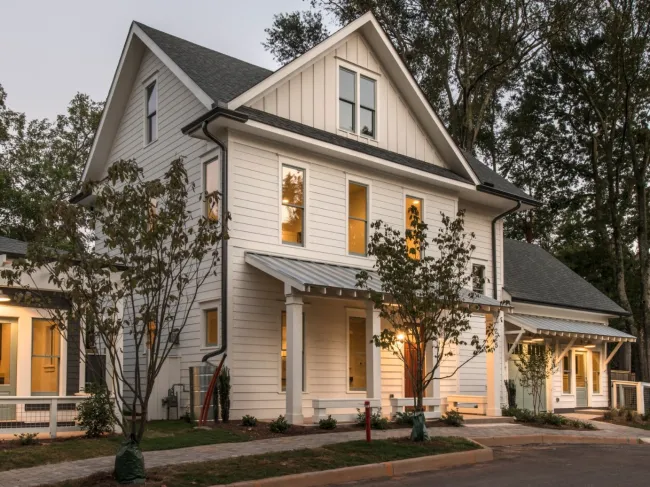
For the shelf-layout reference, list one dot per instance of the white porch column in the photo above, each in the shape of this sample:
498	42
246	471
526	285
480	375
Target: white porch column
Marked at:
433	390
493	367
294	359
373	353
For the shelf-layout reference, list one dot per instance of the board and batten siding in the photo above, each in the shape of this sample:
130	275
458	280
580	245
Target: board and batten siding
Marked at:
258	299
176	107
310	97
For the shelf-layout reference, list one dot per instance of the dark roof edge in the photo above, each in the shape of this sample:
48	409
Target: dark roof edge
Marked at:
504	194
566	306
213	114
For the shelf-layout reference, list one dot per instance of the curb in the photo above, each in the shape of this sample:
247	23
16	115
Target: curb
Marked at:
373	470
555	439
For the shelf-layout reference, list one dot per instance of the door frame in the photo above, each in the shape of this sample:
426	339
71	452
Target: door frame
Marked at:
583	356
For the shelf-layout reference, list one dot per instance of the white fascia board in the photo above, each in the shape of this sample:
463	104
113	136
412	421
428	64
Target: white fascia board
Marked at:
288	69
332	150
121	88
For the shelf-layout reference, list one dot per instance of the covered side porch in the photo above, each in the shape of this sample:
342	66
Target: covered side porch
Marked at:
317	298
581	351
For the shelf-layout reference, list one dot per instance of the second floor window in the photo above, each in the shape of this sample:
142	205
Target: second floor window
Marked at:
293	205
151	128
347	99
478	278
211	186
357	113
411	202
357	218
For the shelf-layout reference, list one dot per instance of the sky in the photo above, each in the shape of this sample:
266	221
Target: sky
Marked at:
52	49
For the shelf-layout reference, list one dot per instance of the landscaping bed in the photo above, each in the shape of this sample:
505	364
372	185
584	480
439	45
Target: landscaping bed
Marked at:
547	420
626	417
256	467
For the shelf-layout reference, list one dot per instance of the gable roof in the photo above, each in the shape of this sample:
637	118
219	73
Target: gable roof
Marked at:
532	275
220	76
11	246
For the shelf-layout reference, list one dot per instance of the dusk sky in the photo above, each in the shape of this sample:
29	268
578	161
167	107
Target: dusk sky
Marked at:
53	49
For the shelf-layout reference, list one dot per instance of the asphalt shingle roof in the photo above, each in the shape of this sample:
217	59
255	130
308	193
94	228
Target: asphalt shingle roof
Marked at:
222	77
533	275
12	246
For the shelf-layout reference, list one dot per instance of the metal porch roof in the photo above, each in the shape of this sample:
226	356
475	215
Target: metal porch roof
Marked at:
543	325
303	274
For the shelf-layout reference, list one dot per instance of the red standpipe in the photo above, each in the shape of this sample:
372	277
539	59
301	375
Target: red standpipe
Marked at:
367	405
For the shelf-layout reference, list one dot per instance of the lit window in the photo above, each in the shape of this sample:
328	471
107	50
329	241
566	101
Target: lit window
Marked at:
357	353
357	218
211	187
152	113
412	203
293	205
367	106
347	99
566	374
283	353
45	358
211	327
478	278
151	334
595	371
6	365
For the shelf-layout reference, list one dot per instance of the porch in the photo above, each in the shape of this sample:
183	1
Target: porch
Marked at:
580	354
329	364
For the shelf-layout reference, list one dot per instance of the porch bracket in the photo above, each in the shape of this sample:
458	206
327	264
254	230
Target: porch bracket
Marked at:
611	355
565	351
514	345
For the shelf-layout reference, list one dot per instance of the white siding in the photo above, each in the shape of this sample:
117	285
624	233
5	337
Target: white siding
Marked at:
310	97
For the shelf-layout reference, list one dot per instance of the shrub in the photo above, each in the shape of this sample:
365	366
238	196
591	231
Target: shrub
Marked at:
524	415
511	387
453	418
509	411
224	394
611	414
96	413
327	424
404	418
377	421
249	420
646	416
631	415
27	439
578	424
551	419
279	425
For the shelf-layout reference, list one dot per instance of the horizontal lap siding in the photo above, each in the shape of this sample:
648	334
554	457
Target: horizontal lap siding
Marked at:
176	107
309	97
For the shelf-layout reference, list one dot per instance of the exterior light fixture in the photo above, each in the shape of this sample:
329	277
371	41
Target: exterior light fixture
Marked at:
537	340
4	298
400	337
590	345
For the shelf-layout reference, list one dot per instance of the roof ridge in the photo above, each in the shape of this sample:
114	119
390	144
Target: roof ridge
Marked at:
145	26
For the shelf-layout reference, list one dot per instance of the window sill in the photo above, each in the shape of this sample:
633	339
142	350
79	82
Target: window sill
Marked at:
149	144
365	137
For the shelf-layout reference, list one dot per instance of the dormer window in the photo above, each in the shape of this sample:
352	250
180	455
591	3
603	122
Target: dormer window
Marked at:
357	114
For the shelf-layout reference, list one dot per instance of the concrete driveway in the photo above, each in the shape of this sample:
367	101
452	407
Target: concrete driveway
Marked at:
542	465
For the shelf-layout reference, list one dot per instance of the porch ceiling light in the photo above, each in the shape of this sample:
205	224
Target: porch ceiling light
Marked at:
537	340
400	337
4	298
590	345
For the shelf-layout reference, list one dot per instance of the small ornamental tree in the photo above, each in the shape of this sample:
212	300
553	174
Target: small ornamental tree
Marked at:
425	296
132	268
535	365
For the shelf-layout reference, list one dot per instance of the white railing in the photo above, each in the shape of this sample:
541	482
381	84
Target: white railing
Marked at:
631	395
38	414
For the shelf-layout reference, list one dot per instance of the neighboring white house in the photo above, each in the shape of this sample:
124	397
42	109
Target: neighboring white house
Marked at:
316	150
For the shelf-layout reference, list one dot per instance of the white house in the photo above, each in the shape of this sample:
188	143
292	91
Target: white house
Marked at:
305	158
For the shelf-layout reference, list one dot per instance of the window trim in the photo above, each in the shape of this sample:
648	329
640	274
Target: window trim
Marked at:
359	71
352	313
360	181
151	81
204	181
204	306
303	166
305	382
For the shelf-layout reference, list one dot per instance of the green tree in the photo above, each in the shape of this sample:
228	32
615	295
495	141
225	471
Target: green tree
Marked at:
293	34
135	264
41	162
424	297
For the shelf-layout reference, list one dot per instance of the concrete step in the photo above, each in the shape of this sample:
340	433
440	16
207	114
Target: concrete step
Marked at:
472	420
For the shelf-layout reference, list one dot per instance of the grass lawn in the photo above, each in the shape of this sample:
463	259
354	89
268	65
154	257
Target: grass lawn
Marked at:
160	435
285	463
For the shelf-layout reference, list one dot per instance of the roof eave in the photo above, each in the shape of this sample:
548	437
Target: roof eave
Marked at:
483	188
566	306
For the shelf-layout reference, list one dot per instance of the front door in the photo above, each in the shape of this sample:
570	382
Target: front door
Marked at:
581	380
8	342
411	362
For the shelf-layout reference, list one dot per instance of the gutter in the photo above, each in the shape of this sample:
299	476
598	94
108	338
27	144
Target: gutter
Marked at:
206	118
495	287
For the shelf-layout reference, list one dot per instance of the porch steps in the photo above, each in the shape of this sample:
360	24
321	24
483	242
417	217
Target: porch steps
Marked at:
476	420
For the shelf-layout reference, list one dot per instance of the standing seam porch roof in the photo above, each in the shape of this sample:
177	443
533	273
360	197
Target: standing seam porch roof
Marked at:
584	329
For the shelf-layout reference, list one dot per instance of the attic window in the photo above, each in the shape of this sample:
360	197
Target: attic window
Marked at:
151	122
357	114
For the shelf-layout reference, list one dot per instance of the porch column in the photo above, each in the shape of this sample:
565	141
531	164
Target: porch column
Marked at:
294	359
433	389
493	366
373	353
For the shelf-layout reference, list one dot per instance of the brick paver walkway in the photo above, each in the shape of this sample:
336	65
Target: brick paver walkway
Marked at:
49	474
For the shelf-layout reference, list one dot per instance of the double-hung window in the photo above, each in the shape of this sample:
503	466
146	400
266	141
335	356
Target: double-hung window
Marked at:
566	374
293	205
151	122
357	103
595	372
357	218
478	278
412	203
